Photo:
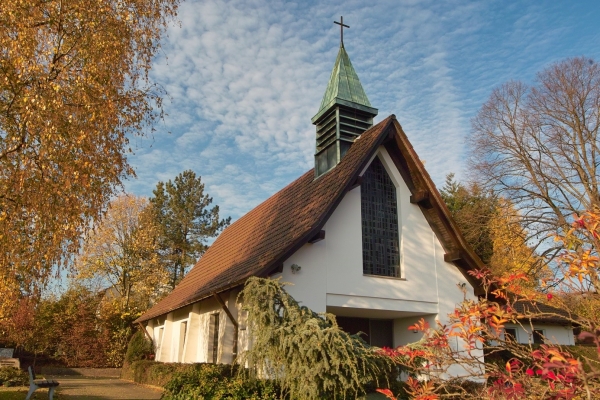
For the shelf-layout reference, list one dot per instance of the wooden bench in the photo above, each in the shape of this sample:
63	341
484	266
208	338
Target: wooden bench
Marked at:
36	384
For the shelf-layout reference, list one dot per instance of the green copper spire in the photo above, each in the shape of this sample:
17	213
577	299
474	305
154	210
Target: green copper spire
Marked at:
344	83
345	112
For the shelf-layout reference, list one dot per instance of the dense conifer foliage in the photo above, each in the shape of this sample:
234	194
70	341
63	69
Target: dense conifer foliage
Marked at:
181	211
307	353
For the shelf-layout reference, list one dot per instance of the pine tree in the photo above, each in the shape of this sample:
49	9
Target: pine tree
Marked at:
181	209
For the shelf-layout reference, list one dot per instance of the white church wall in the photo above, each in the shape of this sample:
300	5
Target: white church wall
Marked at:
309	284
403	335
334	265
449	283
192	347
179	323
343	241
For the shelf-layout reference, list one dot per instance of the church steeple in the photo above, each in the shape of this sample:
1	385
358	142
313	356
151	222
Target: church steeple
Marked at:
344	114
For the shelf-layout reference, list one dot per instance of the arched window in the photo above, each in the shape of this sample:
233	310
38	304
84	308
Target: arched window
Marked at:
379	212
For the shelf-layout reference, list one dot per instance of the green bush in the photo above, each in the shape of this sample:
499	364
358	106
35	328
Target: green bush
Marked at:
200	381
11	376
139	348
151	372
215	382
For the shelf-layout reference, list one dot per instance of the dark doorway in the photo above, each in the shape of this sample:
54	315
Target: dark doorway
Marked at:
376	332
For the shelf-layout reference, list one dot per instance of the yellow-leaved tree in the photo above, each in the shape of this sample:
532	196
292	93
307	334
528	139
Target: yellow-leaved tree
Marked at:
511	254
122	252
73	84
121	256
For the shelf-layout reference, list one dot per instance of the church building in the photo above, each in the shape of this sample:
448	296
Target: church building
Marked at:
364	235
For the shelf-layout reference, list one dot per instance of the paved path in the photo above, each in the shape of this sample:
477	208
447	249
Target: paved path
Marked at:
83	387
104	388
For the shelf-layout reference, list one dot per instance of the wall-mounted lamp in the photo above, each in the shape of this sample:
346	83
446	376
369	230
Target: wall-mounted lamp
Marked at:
295	268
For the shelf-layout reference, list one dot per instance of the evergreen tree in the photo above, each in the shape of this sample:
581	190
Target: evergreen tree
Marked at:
492	226
472	209
181	209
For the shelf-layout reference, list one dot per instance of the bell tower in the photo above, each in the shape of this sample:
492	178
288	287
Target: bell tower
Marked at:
344	114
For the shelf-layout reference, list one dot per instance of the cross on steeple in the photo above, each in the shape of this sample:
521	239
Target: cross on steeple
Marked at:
341	24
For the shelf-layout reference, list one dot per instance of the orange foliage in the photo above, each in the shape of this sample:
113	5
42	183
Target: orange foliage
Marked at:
74	84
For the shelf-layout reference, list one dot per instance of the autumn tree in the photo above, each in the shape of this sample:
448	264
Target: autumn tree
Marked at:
538	147
74	84
181	209
64	328
492	226
123	252
511	254
472	208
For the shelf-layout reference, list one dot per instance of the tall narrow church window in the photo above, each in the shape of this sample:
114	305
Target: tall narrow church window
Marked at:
182	337
379	212
213	339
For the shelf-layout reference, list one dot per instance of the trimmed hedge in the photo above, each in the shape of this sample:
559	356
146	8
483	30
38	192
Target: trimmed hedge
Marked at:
199	381
585	354
151	372
210	381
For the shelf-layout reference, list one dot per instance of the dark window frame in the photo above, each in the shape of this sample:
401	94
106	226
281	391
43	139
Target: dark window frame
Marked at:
213	337
510	334
538	336
380	223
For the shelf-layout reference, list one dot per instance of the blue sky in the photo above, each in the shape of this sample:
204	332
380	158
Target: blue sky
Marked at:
244	78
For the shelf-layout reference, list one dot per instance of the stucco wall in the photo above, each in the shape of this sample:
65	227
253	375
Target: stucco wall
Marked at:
332	272
196	343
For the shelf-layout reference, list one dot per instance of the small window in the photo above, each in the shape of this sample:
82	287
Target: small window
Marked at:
510	334
538	336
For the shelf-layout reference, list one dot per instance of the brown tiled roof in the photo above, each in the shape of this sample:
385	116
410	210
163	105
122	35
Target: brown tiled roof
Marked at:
544	313
260	241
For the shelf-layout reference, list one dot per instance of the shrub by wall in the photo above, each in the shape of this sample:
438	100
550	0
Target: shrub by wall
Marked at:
139	348
215	382
151	372
199	381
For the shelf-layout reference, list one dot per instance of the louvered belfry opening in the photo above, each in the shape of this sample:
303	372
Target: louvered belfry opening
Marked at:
344	114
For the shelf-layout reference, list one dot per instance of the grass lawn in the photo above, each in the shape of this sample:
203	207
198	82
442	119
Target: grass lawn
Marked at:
19	393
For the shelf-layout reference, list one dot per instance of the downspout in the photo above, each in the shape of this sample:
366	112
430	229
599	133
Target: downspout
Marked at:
233	321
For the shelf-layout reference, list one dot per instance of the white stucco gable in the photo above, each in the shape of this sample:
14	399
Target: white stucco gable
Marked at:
331	277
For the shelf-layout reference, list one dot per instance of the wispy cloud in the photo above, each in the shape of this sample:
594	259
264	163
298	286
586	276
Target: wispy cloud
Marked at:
245	77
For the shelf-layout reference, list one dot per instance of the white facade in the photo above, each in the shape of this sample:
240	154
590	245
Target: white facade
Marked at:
552	333
187	335
331	279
